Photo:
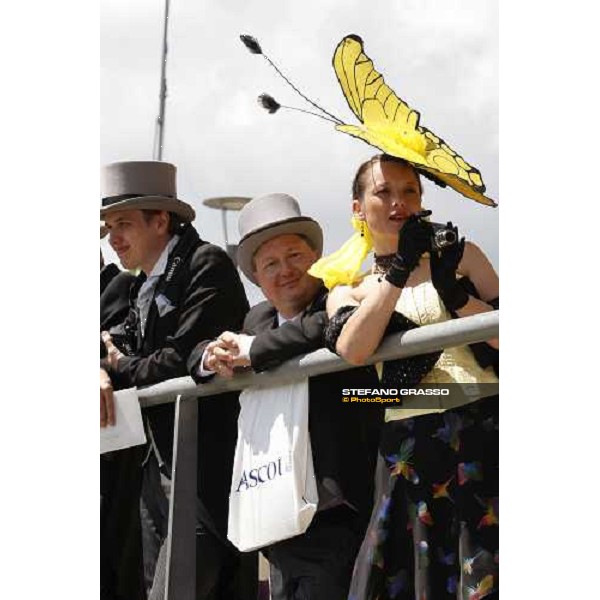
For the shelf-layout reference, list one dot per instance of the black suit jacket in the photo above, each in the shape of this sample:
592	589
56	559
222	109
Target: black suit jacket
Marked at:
207	296
344	437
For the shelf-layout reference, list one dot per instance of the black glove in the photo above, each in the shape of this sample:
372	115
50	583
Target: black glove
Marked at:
414	239
444	264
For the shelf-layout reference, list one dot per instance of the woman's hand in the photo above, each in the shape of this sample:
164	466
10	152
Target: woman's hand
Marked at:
444	265
468	260
413	240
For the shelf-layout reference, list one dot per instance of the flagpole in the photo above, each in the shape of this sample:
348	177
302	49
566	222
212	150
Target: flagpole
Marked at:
160	121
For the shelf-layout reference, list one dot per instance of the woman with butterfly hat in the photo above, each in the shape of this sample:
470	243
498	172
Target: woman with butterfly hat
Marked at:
434	529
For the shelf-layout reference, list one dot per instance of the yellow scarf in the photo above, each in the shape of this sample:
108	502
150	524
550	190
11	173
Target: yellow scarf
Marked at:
344	265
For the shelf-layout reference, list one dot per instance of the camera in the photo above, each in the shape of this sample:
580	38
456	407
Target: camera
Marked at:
442	237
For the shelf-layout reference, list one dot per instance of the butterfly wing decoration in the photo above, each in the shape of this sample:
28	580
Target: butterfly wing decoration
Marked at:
440	490
469	471
388	123
491	514
400	463
423	513
484	587
450	432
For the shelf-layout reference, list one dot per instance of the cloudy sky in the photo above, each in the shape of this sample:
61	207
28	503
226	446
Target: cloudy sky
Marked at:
441	57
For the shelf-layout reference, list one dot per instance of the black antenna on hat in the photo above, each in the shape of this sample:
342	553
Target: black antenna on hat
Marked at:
272	106
268	102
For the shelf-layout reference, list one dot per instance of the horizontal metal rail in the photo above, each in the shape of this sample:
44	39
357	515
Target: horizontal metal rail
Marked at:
181	545
457	332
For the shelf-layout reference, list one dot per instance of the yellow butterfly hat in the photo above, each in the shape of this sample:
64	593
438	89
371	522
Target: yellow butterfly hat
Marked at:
387	123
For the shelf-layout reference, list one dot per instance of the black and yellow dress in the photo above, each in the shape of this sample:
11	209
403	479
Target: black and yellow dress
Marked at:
433	532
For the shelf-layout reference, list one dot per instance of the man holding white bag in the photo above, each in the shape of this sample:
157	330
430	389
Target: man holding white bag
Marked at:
277	247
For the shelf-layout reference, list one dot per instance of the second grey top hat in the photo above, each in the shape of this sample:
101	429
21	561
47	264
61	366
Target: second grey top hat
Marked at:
268	216
149	185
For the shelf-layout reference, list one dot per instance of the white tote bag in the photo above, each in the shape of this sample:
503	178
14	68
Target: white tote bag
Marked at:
273	489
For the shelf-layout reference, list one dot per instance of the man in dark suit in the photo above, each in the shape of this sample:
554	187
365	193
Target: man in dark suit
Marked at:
121	566
277	247
187	290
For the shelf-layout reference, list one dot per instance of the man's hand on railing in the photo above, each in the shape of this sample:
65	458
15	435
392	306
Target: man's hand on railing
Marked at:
218	358
107	407
228	351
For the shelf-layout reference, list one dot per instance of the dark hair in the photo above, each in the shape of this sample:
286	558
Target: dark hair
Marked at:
359	185
176	223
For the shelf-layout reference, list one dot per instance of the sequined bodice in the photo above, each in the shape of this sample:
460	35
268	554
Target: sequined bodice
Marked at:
422	304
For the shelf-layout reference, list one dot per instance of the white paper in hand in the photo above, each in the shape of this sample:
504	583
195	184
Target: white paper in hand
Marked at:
129	428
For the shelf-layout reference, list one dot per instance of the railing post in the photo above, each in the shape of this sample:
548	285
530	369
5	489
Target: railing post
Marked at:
180	581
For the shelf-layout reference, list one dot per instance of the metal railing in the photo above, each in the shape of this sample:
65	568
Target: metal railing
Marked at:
181	543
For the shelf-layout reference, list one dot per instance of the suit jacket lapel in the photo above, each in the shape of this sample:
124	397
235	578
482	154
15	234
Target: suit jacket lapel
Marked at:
170	278
267	319
150	328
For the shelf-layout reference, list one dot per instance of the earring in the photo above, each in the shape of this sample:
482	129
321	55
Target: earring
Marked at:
362	229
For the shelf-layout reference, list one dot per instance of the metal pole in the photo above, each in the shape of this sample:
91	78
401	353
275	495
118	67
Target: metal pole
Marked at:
181	540
429	338
160	121
224	221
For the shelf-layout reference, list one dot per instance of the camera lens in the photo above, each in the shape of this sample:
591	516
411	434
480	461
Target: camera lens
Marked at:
443	238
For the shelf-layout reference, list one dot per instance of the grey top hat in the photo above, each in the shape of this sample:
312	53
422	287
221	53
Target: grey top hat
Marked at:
268	216
141	185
